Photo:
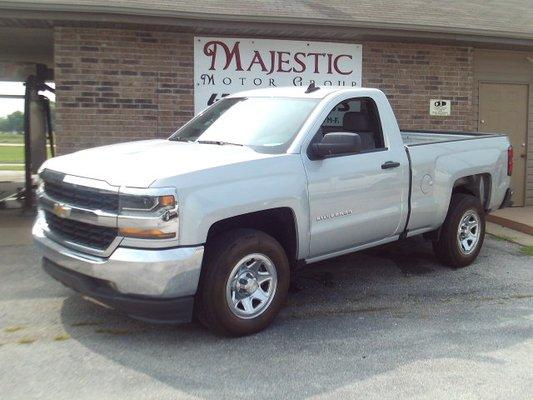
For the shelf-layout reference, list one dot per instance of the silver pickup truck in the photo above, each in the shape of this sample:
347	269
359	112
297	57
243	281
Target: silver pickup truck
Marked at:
212	221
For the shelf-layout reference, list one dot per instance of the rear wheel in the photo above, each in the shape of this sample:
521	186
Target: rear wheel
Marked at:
244	282
462	233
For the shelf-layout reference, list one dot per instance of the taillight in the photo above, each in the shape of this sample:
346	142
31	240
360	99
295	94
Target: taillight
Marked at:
510	160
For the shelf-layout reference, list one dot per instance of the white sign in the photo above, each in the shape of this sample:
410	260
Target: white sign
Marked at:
440	107
227	65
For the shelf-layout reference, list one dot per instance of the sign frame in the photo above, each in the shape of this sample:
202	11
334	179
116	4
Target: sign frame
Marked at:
440	107
226	65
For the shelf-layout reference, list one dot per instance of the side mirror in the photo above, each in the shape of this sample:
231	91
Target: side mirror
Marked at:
335	143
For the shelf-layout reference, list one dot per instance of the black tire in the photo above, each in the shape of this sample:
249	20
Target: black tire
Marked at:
448	248
223	253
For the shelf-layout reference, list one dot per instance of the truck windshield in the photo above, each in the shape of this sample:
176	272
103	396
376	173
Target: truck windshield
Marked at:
265	124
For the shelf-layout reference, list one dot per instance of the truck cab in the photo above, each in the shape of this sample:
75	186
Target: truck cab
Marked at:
365	202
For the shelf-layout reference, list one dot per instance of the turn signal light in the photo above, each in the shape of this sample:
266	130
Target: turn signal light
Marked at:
146	233
167	201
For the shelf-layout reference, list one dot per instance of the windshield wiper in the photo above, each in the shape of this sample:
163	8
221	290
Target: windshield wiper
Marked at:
218	142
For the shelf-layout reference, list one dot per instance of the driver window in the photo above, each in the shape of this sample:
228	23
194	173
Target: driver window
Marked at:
357	115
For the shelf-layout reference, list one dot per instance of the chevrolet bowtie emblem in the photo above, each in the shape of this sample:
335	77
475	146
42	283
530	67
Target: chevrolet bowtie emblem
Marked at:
61	210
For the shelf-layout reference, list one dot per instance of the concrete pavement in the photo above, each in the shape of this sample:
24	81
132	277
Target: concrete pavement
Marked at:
502	233
516	218
388	323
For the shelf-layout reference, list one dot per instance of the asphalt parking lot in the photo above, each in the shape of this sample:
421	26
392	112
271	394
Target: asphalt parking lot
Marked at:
389	323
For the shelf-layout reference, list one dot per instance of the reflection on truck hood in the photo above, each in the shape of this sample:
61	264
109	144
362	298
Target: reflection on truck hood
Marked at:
139	164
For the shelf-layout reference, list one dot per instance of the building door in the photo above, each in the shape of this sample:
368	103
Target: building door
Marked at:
503	108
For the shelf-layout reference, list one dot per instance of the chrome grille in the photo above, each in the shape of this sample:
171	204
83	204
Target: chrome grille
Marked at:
94	236
80	196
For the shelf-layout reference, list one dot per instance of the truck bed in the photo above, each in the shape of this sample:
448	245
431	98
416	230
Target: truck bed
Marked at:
418	138
450	156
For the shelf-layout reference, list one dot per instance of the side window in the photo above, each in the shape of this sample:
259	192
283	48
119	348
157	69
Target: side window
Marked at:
358	115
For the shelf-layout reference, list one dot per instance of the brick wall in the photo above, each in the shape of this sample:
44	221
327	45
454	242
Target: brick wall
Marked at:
123	84
114	85
412	74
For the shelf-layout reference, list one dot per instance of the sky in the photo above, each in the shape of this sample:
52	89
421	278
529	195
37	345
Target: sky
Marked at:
8	106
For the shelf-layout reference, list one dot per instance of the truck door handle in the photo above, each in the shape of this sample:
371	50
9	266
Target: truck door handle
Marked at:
390	164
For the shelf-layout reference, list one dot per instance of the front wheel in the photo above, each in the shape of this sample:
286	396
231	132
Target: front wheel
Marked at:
462	233
244	283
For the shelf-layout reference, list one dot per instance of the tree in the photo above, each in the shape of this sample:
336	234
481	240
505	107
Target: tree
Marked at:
14	122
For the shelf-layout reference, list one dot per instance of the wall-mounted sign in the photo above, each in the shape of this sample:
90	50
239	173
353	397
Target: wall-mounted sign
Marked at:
440	107
227	65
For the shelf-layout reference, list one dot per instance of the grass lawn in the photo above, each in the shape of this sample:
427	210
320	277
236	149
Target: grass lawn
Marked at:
11	154
11	138
11	167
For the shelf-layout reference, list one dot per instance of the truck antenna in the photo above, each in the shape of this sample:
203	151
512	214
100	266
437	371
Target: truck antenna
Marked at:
312	88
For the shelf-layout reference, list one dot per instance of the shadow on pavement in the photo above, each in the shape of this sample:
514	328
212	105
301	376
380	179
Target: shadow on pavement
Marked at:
352	318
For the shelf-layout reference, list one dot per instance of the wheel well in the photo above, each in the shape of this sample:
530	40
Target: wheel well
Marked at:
280	223
475	185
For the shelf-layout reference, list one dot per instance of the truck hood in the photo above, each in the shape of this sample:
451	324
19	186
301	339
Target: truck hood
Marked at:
139	164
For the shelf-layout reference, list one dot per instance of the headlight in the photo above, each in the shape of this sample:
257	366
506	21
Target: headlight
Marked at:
146	203
148	216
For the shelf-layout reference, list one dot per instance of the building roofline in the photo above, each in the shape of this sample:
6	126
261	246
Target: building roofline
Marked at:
115	14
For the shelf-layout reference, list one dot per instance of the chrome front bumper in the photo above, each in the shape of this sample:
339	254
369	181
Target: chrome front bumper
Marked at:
157	273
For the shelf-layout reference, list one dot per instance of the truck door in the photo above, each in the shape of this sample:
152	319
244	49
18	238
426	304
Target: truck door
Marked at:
356	199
